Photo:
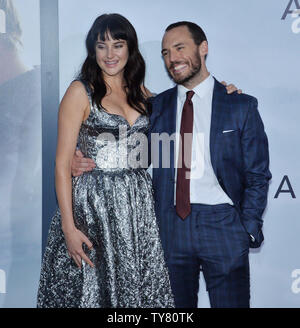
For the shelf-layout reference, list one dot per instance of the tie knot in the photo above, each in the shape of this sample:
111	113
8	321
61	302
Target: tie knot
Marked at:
189	95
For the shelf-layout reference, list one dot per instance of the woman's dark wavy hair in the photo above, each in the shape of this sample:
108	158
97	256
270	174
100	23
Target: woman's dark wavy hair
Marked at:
134	73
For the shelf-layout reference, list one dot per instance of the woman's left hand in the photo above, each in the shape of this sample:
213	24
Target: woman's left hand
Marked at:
231	88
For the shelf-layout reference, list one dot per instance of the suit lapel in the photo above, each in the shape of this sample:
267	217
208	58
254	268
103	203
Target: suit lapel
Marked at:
170	109
219	111
169	122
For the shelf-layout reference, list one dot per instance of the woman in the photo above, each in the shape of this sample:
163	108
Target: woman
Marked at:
103	247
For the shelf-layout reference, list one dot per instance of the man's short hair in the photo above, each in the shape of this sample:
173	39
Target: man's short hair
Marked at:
195	30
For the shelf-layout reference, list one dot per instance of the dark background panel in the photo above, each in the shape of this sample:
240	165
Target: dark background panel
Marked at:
50	104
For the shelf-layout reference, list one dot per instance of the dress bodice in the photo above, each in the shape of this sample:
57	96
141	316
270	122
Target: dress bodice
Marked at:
111	142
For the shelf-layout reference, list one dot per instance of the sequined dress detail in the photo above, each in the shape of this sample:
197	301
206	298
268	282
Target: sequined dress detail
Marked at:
113	206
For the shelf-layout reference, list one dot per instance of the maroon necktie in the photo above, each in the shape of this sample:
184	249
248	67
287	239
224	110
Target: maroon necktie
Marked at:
183	205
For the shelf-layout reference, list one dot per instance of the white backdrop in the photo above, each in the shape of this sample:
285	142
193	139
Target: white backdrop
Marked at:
251	46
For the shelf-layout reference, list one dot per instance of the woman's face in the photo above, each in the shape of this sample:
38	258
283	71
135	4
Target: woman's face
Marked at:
111	55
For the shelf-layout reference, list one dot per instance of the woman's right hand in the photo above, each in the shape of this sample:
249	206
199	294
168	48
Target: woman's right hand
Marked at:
74	240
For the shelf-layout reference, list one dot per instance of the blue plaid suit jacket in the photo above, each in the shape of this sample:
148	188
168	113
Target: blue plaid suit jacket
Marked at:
240	159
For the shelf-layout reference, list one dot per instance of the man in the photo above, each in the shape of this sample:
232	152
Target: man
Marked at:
218	212
209	207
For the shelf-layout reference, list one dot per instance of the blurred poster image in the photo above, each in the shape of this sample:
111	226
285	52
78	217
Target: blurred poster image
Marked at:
20	145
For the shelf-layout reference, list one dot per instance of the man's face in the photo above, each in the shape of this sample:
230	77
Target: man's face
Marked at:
181	55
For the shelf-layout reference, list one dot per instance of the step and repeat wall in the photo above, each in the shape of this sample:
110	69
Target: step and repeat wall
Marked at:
255	45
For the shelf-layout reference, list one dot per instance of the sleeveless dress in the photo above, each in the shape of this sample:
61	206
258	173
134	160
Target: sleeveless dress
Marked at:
113	206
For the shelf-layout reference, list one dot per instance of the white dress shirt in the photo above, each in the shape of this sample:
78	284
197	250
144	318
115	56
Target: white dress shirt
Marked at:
204	186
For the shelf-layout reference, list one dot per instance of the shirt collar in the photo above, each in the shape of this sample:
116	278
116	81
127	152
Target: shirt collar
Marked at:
201	90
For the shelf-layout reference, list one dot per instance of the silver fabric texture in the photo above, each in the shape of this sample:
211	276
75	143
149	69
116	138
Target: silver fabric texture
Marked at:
114	207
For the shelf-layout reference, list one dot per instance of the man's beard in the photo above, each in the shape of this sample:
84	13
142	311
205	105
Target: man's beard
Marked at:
195	69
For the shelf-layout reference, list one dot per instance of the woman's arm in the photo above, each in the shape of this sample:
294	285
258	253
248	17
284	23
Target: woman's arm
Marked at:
73	109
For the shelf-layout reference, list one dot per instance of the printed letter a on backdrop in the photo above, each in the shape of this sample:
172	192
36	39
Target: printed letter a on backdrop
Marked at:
289	190
288	11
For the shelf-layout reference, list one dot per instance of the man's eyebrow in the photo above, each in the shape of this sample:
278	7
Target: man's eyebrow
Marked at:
174	46
178	44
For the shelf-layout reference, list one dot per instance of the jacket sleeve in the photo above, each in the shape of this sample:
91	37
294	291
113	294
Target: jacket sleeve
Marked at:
256	173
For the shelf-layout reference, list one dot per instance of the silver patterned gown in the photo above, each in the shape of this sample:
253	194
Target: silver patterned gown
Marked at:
113	206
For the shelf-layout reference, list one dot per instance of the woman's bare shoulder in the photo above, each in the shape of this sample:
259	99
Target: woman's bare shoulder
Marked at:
147	92
76	95
77	86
